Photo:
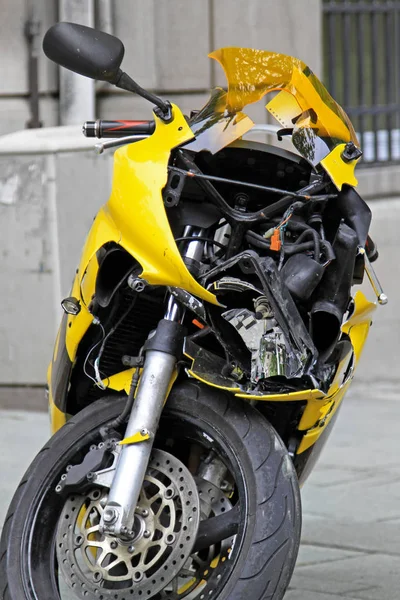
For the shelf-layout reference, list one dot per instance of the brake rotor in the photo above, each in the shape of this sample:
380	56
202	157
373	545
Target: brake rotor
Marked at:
193	579
100	566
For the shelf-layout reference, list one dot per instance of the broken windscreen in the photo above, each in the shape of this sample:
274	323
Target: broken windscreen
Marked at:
300	104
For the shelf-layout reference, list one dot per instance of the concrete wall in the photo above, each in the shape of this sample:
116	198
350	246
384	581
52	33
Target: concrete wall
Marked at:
14	105
379	182
380	360
48	198
171	40
166	47
51	186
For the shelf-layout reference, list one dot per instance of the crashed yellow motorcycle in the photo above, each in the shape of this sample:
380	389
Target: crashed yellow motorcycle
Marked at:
205	349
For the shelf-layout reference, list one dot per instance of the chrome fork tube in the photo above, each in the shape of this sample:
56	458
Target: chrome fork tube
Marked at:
194	250
162	351
118	515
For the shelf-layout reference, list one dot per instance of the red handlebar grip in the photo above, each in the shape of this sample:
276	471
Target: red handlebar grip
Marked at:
115	129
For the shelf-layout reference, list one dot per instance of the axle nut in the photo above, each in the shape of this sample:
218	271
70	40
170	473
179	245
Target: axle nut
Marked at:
110	515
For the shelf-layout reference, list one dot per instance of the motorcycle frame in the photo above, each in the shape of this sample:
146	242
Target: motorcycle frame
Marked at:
135	218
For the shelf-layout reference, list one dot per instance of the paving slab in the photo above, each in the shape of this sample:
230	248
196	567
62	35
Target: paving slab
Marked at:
308	595
311	555
370	577
316	583
379	537
22	434
351	526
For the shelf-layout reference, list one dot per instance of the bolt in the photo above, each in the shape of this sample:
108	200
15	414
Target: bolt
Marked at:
90	476
146	533
69	467
144	431
63	477
58	488
131	549
110	515
169	493
97	576
170	539
114	544
145	512
136	284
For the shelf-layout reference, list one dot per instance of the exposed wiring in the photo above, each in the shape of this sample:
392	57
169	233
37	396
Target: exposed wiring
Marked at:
260	242
115	423
255	186
96	322
98	379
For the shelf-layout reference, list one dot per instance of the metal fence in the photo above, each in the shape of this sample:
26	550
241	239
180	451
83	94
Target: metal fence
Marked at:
362	71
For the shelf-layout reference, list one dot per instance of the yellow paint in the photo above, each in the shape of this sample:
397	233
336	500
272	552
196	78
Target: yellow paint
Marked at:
120	381
88	281
220	387
135	218
215	562
339	171
103	230
135	438
316	418
186	586
291	396
137	209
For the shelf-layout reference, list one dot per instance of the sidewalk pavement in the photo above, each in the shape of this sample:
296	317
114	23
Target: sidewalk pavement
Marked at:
351	503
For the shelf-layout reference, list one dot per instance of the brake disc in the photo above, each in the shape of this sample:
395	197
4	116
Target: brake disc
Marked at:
100	566
192	581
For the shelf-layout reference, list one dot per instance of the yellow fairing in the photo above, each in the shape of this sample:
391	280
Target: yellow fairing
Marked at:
135	218
137	210
339	171
318	416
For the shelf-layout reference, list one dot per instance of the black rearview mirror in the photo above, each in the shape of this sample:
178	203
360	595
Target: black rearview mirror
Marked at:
84	50
97	55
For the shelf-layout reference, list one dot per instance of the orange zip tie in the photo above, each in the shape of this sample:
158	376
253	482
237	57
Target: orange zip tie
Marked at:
198	324
276	241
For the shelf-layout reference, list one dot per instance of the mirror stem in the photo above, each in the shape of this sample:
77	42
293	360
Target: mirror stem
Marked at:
163	107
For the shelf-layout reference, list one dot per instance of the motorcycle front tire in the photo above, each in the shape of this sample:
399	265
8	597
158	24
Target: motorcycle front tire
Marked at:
272	523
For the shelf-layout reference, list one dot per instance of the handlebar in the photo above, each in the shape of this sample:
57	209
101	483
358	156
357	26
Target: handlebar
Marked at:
115	129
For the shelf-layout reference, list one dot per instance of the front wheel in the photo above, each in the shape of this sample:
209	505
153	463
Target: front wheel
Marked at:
213	455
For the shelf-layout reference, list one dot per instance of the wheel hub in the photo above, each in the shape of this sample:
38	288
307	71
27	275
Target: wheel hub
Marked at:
97	565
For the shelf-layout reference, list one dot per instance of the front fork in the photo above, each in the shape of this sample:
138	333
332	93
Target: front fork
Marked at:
162	351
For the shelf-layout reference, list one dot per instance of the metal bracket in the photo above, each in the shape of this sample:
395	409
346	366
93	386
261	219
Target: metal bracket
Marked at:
80	475
173	190
374	281
139	436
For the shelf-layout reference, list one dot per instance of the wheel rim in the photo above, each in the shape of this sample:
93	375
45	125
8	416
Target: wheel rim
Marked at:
213	570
